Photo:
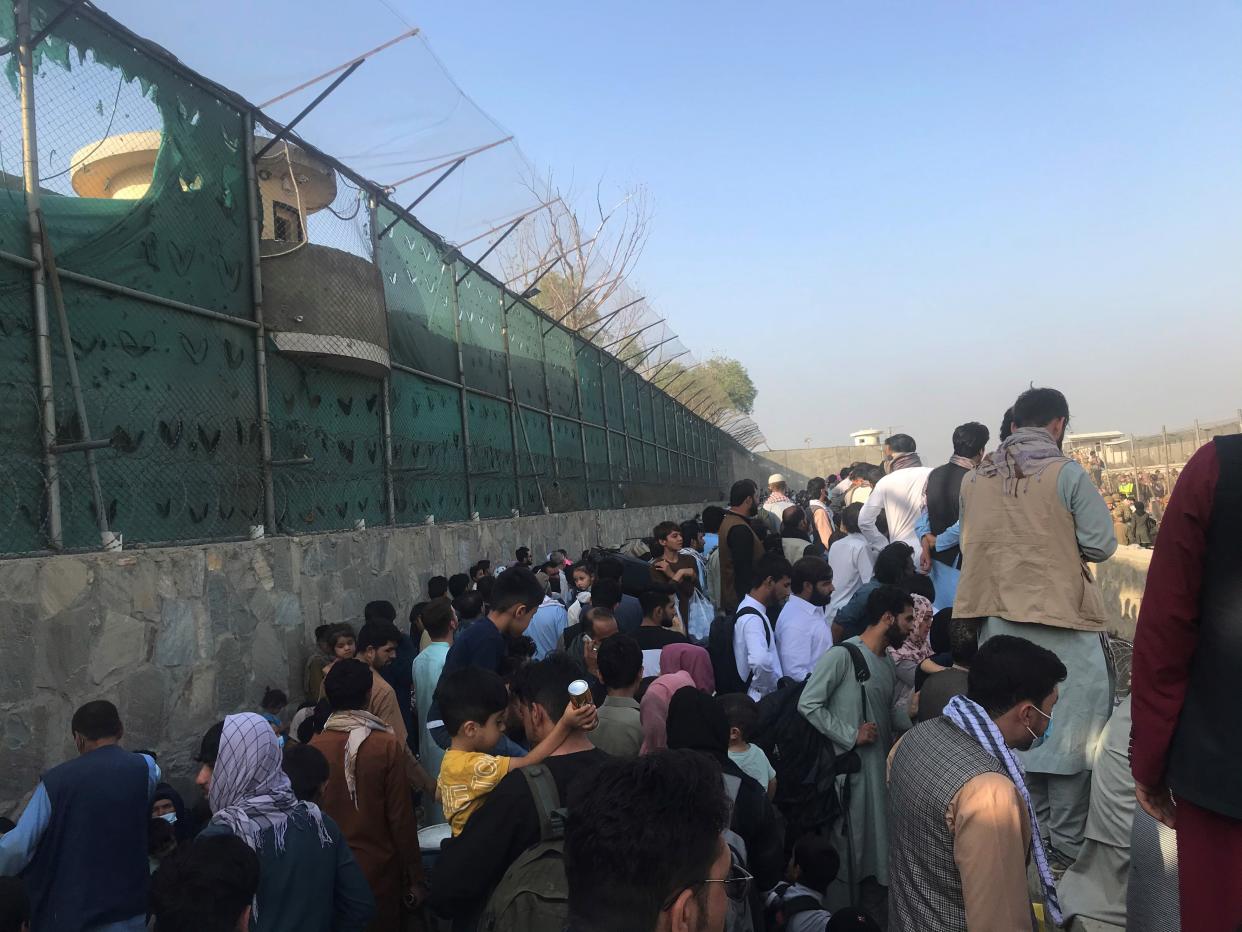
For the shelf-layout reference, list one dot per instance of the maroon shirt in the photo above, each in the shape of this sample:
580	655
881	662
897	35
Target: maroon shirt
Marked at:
1168	623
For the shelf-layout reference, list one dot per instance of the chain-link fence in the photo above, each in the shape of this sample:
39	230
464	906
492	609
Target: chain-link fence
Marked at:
218	331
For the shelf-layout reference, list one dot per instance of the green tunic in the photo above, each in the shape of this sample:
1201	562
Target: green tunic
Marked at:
832	702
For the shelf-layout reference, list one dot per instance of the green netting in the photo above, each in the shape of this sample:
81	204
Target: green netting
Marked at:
534	462
562	370
418	290
526	355
479	305
599	488
620	463
646	416
590	382
491	457
613	412
334	419
428	456
570	466
638	468
660	416
629	403
187	237
22	513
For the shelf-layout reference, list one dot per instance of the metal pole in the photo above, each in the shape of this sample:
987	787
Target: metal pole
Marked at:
426	191
599	324
463	403
327	74
288	127
626	339
1168	479
1198	436
603	392
43	333
260	335
390	482
75	383
478	263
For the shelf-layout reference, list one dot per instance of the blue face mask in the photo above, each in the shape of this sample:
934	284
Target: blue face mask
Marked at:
169	817
1040	739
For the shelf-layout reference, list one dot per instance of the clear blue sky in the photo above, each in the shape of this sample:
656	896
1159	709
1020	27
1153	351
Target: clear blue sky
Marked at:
893	213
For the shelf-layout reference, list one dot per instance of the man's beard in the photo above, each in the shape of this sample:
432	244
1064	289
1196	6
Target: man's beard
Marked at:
754	509
895	637
819	600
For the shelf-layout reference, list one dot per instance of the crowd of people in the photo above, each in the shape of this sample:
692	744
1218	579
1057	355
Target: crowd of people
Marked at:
822	711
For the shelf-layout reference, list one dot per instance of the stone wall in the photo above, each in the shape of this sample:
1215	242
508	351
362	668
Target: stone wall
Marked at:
1121	580
180	637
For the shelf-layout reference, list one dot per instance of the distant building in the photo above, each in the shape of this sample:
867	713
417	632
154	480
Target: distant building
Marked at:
866	438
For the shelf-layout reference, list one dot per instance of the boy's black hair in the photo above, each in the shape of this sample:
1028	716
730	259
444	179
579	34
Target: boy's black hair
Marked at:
470	694
741	711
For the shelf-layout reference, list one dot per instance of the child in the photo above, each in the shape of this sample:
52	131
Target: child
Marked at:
798	904
274	702
472	703
313	679
743	716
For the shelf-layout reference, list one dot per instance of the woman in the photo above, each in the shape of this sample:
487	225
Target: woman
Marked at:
693	660
653	710
916	649
309	880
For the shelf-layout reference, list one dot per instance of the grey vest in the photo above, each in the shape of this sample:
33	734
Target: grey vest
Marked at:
931	764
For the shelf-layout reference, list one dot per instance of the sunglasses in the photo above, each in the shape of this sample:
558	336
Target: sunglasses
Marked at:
736	884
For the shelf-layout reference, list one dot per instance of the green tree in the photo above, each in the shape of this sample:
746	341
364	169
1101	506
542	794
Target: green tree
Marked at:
732	376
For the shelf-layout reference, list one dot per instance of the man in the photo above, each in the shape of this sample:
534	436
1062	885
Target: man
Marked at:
605	594
795	533
777	501
938	528
1031	521
598	626
553	580
657	630
851	560
863	478
899	495
377	647
712	516
740	547
629	612
516	595
836	495
943	685
821	516
754	646
208	886
367	792
81	842
802	631
523	558
547	625
693	541
620	663
468	609
894	566
961	820
441	624
861	717
471	865
673	568
397	674
644	850
459	584
1187	656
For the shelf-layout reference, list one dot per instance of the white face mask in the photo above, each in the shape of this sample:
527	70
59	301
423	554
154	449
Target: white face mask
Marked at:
169	817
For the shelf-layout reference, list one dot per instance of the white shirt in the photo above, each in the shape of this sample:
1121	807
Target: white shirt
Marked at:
755	651
901	495
802	637
858	495
774	508
852	565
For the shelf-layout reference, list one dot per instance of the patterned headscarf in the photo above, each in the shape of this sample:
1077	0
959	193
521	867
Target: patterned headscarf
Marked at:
975	721
249	791
1024	454
916	646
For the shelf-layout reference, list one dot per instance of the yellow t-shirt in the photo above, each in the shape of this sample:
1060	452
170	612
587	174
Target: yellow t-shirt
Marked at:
465	778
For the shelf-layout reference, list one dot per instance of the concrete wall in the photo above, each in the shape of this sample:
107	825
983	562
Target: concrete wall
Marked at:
823	461
180	637
1121	580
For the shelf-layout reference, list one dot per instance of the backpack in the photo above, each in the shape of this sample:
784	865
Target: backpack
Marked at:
780	910
805	761
533	895
720	649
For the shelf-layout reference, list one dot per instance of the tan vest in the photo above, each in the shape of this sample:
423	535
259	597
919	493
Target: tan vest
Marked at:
728	593
1020	558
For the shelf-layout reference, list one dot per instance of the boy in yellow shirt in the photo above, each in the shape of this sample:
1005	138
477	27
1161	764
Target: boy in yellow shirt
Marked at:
472	703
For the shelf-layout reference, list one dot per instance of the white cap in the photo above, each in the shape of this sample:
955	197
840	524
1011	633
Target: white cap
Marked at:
775	478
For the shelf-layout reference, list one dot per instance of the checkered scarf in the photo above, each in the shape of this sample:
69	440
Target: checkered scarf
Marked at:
972	719
249	790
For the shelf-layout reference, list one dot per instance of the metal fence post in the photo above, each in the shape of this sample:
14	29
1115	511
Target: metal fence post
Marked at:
43	331
390	498
260	335
603	397
462	401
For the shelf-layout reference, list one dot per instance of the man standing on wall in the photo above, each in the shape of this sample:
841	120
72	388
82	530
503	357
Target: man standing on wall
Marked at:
1031	521
899	495
938	529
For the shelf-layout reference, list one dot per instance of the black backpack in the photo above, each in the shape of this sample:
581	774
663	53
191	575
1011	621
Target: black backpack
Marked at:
805	761
720	649
780	910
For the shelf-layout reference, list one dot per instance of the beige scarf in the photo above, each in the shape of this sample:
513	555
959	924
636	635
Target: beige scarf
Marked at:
359	724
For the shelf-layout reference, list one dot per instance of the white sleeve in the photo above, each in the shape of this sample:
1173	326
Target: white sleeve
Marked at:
867	518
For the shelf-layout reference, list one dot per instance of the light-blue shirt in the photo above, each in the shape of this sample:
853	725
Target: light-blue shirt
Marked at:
427	667
17	848
547	625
